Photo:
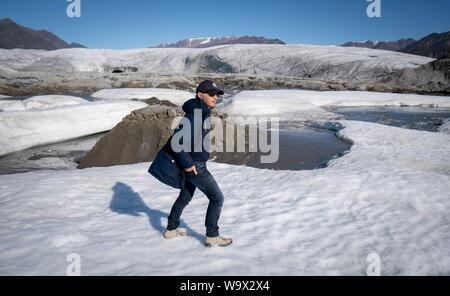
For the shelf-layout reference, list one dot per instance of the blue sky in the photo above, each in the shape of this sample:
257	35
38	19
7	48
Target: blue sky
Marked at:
143	23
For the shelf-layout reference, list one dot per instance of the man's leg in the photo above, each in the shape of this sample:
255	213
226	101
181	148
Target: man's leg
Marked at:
205	182
215	197
182	201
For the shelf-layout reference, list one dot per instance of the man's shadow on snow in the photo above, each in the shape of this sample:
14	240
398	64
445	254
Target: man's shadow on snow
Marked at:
128	202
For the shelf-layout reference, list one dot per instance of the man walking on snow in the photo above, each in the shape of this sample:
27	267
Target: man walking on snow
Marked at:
196	172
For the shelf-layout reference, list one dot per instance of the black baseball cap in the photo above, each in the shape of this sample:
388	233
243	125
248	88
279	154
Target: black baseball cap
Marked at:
209	87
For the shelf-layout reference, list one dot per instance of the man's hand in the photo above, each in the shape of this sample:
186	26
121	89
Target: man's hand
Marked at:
191	169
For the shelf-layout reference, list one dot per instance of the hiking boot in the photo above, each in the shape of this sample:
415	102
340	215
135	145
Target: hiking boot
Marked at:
218	241
169	234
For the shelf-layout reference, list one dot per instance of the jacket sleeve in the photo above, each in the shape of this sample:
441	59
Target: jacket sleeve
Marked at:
184	157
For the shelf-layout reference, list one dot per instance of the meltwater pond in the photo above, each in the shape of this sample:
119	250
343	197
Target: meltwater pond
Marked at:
305	148
58	156
301	147
418	118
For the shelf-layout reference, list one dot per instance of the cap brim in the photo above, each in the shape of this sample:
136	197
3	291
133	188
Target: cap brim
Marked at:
215	91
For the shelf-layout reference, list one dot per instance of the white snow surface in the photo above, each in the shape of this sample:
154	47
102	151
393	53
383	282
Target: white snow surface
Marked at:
314	61
304	104
23	129
11	105
178	97
40	103
389	195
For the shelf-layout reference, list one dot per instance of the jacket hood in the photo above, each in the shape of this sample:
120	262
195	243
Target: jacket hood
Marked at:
195	103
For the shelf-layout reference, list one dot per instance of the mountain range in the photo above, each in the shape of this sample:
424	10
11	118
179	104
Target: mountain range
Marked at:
13	35
434	45
386	45
214	41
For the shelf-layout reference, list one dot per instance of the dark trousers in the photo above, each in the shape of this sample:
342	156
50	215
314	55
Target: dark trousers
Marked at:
206	183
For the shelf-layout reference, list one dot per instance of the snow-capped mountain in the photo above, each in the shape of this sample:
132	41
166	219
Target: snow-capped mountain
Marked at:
214	41
386	45
13	35
364	44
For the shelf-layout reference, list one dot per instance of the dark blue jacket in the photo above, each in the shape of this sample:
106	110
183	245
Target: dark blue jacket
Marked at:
168	166
186	158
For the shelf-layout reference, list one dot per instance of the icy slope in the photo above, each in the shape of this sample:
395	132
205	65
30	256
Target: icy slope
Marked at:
40	103
178	97
24	129
389	195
